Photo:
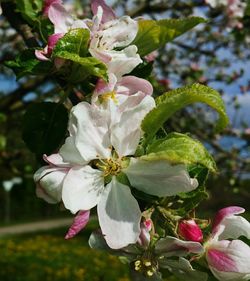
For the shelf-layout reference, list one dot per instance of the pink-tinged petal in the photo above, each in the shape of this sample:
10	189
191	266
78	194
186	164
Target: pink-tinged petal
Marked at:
61	19
49	183
220	260
42	54
80	221
151	57
103	87
47	4
229	260
82	188
52	40
108	13
172	246
55	160
190	231
226	212
119	215
129	85
144	238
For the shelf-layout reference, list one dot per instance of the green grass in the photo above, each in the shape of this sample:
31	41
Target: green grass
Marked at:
46	256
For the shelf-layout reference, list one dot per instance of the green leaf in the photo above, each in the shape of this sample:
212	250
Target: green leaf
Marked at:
75	41
155	34
2	142
247	9
86	66
179	148
45	127
192	199
26	63
29	9
74	47
172	101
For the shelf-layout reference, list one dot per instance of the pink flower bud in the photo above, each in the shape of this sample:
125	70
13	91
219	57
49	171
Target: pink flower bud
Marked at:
190	231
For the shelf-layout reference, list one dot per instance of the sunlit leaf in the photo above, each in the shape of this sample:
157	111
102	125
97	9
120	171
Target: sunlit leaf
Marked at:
172	101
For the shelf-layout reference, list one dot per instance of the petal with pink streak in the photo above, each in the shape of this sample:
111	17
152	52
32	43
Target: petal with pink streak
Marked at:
108	13
42	54
130	85
225	212
229	256
61	19
80	221
103	87
52	40
55	160
47	5
220	260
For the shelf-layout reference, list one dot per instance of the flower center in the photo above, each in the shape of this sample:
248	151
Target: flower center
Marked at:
146	265
110	166
109	95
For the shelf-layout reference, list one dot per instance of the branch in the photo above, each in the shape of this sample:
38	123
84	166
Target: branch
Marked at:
16	21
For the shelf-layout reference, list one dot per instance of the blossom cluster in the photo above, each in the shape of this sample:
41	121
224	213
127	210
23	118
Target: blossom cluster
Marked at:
234	9
102	163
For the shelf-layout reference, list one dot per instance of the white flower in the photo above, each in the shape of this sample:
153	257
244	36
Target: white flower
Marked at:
99	149
109	35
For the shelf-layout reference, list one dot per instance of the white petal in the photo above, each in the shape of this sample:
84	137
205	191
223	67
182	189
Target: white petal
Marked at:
126	129
61	19
119	215
159	177
118	33
82	188
55	160
123	62
171	246
89	134
49	183
235	226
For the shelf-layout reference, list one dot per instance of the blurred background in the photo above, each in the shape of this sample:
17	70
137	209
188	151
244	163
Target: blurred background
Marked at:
216	54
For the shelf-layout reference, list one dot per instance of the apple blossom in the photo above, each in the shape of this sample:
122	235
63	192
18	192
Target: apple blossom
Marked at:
229	260
108	34
86	171
62	21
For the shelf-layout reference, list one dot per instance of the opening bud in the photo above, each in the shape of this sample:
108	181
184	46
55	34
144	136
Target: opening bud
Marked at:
190	231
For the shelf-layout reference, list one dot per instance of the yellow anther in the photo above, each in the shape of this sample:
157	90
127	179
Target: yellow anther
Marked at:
147	263
150	273
137	268
109	95
137	263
